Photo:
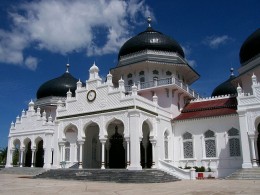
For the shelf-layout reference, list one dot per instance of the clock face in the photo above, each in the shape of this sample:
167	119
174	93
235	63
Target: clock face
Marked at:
91	96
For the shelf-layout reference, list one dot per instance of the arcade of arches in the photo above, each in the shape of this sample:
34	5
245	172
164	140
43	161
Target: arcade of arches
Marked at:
28	156
112	152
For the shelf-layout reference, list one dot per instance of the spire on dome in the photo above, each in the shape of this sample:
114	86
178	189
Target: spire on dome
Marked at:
68	65
149	20
232	71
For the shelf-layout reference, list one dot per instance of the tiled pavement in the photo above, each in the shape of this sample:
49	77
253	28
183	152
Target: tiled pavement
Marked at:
14	184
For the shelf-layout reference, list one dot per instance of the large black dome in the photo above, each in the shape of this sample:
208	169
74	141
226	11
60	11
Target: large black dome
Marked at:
58	86
250	48
225	88
150	39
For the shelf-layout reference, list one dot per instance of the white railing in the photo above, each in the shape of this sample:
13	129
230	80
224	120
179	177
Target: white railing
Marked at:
173	170
164	81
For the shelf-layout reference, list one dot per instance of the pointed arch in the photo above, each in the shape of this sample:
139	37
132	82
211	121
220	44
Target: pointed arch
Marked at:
16	142
150	126
112	120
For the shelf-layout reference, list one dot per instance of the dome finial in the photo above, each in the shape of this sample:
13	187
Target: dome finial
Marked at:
68	65
232	71
149	20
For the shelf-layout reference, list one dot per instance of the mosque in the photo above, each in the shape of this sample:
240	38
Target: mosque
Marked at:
144	115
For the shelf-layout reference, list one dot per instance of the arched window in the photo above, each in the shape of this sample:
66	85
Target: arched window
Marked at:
210	144
129	75
67	151
155	72
130	82
168	73
142	80
166	145
187	145
141	73
234	142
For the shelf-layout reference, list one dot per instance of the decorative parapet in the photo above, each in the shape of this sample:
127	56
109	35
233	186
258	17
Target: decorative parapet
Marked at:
212	98
164	82
247	99
31	120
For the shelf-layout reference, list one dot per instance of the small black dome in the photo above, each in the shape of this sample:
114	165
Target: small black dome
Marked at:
225	88
150	39
58	86
250	48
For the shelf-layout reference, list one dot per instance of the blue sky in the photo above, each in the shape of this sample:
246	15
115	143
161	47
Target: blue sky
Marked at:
38	37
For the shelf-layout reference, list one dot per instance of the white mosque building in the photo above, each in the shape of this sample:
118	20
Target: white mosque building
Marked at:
144	115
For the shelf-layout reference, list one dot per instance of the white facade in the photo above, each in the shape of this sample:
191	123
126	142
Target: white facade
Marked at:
127	122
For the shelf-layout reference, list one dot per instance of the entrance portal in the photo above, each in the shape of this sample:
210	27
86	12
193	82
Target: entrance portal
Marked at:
117	151
39	157
28	155
146	148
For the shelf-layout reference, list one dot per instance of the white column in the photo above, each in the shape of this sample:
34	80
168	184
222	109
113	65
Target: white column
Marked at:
62	152
244	141
135	129
203	147
252	140
153	142
127	139
33	157
103	142
9	160
21	157
81	143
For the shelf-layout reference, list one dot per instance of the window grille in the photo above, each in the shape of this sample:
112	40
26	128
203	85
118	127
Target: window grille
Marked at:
187	145
210	144
234	142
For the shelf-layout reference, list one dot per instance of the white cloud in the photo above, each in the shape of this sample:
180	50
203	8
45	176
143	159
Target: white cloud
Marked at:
215	41
68	26
187	51
31	62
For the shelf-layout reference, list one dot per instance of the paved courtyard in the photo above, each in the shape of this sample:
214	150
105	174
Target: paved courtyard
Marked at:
13	184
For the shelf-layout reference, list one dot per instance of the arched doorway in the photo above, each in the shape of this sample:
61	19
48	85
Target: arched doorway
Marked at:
258	142
71	147
146	147
117	150
92	147
28	154
16	152
39	156
115	146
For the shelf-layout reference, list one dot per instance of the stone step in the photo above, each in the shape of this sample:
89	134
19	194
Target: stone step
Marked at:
23	170
245	174
110	175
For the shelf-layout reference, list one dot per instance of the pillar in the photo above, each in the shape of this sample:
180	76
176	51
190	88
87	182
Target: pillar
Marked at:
33	157
103	142
21	156
252	140
127	139
62	153
153	142
244	141
134	129
9	160
81	143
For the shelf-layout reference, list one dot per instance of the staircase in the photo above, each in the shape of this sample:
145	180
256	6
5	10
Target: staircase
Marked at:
110	175
23	170
245	174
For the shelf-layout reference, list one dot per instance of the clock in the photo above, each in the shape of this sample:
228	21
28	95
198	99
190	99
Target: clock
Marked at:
91	95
